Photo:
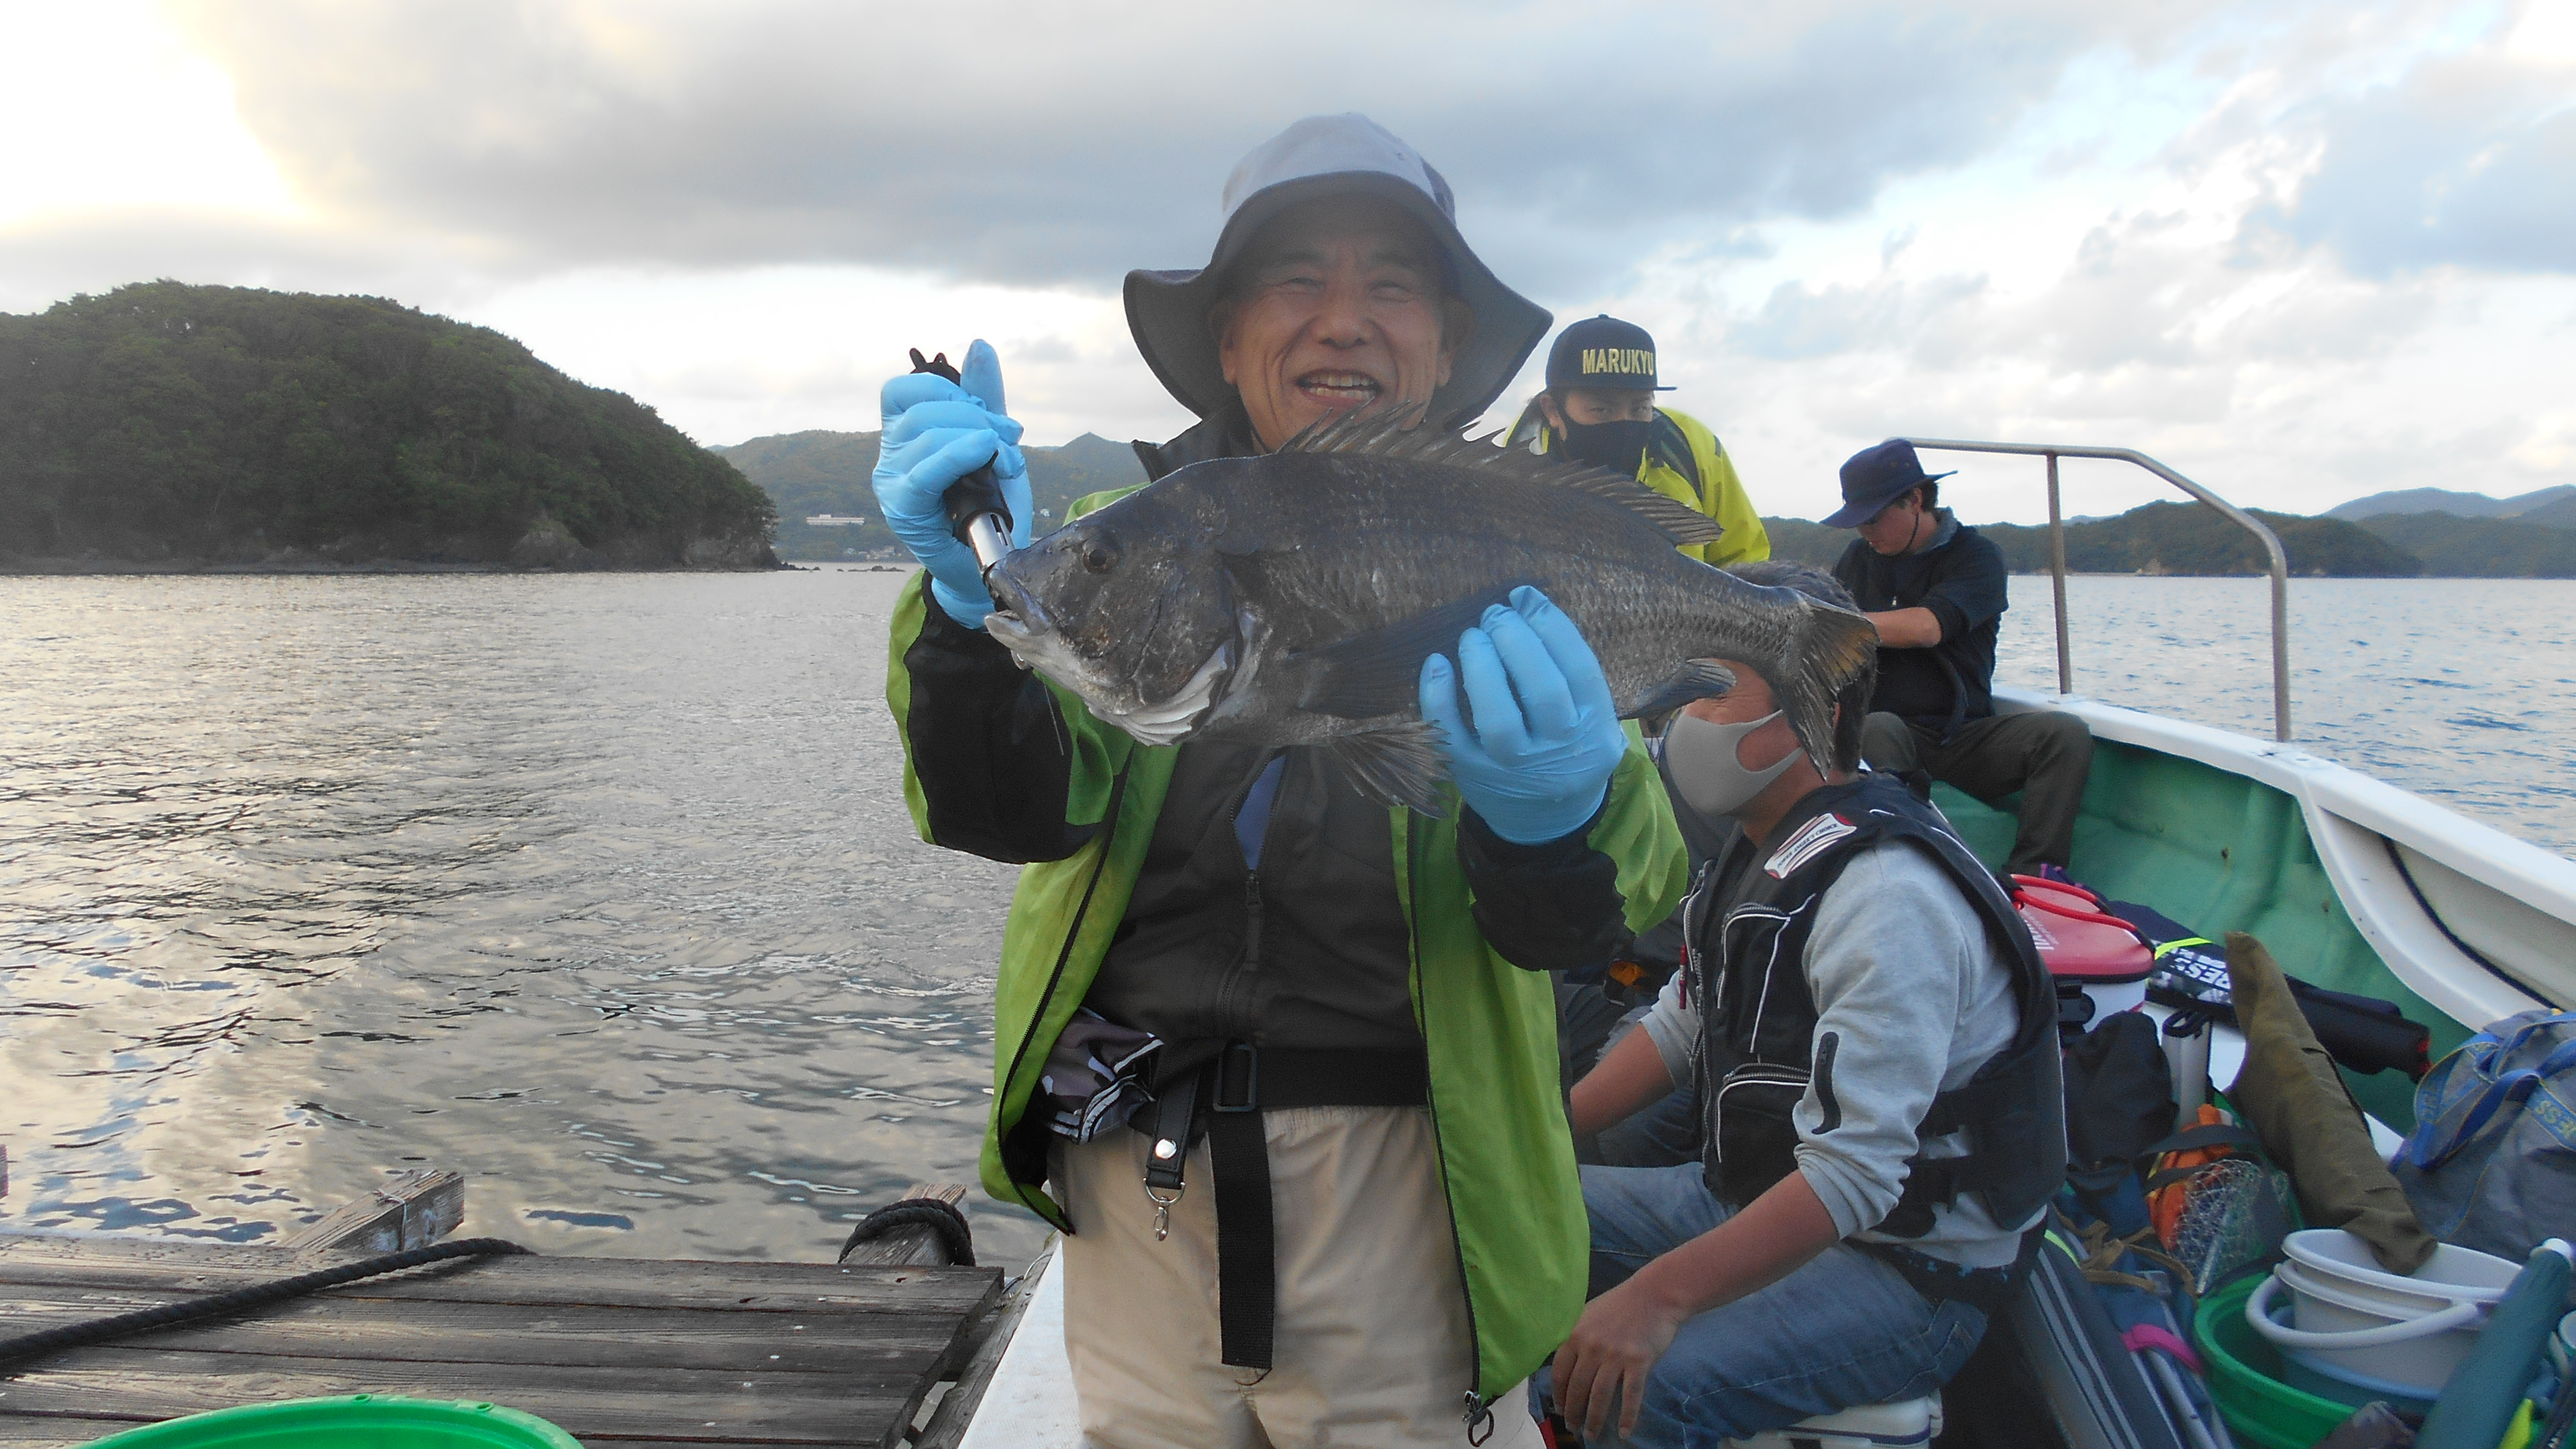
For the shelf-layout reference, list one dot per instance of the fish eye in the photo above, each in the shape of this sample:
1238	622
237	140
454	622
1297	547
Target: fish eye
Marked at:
1100	553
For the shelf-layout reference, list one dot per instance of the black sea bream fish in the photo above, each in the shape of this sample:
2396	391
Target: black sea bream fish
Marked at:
1291	599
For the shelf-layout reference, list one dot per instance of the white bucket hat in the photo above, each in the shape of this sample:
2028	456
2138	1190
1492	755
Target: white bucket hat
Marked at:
1325	156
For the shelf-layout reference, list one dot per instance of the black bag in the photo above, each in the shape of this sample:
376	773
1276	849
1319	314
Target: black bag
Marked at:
2119	1100
2363	1033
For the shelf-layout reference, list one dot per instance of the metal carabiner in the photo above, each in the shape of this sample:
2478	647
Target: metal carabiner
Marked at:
1162	1211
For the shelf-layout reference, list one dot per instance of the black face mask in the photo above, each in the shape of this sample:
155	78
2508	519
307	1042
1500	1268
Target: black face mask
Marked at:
1619	447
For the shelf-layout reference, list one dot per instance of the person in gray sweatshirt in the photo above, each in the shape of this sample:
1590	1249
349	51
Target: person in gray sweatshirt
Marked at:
1872	1040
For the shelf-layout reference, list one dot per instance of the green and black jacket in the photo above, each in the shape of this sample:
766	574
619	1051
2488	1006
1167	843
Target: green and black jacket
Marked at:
1003	764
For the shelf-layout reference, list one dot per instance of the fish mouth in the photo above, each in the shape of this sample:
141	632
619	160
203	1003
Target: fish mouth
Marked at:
1018	624
1021	626
1340	388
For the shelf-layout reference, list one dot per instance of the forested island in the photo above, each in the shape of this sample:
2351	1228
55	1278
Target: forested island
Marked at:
2192	538
825	475
167	425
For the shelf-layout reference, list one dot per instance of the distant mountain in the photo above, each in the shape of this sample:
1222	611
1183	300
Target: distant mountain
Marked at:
2484	548
176	426
2458	505
819	472
2158	538
2558	514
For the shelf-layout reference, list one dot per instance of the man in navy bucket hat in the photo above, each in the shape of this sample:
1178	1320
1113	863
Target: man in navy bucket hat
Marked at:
1936	590
1876	477
1336	1200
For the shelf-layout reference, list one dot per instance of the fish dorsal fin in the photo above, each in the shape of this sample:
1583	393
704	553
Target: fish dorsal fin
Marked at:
1396	435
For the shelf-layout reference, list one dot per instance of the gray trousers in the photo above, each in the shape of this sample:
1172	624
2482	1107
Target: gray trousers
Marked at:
2045	754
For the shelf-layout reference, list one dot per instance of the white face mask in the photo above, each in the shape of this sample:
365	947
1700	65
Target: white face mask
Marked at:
1700	757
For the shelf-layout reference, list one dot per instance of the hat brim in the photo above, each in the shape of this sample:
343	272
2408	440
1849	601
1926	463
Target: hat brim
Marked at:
1853	515
1167	312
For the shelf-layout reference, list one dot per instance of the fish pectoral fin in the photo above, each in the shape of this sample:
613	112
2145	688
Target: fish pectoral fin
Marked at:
1380	672
1395	762
1696	679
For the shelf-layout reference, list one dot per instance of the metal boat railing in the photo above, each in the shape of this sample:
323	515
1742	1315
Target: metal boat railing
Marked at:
2280	561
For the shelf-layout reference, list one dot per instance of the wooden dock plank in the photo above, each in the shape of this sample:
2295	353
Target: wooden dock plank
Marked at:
414	1210
911	1244
668	1404
603	1282
69	1433
630	1352
328	1327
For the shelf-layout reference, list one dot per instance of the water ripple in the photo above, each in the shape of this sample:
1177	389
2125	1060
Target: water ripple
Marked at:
600	890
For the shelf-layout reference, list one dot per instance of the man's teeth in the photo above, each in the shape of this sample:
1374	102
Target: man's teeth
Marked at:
1350	384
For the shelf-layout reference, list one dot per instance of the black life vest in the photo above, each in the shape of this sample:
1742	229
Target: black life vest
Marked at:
1748	920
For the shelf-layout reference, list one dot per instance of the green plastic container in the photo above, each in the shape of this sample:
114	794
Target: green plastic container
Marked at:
360	1421
2245	1376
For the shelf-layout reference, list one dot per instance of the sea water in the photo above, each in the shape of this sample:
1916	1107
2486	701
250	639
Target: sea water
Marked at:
600	889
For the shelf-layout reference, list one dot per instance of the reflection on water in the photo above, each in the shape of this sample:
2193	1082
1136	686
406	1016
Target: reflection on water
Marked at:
2462	690
600	889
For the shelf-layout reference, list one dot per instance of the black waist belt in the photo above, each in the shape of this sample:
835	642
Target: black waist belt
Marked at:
1988	1290
1229	1094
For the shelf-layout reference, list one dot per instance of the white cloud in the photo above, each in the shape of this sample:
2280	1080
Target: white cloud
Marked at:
2301	249
88	112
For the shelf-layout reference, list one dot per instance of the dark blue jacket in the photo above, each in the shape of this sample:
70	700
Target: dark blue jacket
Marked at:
1961	579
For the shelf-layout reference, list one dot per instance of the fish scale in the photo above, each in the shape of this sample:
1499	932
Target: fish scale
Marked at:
1293	597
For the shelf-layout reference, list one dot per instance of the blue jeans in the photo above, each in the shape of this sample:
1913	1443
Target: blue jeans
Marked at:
1660	1136
1844	1330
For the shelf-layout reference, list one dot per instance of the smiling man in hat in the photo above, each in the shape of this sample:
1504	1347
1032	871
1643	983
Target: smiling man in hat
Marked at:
1347	1210
1936	590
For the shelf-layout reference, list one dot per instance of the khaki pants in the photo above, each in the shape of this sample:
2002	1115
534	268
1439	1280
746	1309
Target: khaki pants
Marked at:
1371	1343
2046	754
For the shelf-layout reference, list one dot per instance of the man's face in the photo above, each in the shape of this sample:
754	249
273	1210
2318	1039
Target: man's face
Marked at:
1750	699
1588	405
1897	528
1339	308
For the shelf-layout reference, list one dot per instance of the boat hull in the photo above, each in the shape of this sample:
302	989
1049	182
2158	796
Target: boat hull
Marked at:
2353	884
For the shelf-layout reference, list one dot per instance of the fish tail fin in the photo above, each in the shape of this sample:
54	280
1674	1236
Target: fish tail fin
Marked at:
1827	649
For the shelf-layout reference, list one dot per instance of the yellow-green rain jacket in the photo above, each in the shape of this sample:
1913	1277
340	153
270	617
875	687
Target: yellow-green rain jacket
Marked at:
1720	493
1506	1154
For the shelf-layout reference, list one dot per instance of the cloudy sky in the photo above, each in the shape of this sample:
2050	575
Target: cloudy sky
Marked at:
2302	251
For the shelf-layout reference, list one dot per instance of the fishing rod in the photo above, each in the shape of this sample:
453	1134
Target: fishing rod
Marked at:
976	511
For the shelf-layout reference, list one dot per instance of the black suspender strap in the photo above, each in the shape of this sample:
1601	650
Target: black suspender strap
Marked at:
1229	1094
1247	1253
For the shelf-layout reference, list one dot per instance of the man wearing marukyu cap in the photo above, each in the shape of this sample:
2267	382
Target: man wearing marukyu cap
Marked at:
1600	406
1935	589
1347	1209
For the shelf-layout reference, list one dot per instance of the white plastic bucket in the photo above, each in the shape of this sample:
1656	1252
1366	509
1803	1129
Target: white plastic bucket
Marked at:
2306	1372
2334	1258
2418	1352
2323	1307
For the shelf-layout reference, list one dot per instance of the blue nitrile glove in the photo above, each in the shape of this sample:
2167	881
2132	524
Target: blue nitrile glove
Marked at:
937	432
1547	735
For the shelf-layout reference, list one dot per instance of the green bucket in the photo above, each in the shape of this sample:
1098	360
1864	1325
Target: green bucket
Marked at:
2245	1377
360	1421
